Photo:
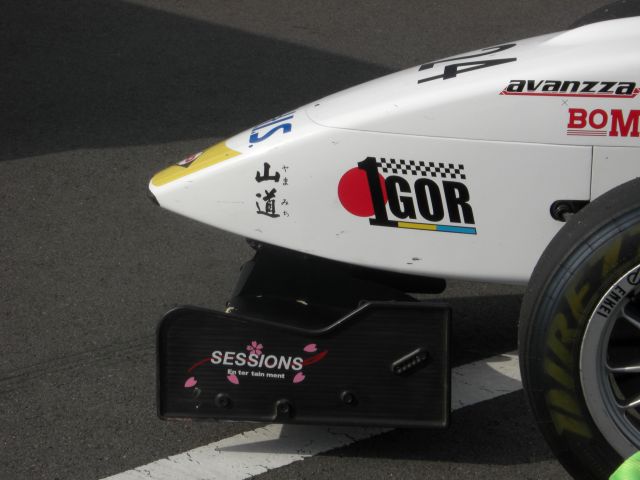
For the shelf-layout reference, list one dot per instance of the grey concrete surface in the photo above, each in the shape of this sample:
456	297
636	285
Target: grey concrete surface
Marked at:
97	96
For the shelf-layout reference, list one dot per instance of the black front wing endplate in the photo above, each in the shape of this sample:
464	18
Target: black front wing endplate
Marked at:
384	364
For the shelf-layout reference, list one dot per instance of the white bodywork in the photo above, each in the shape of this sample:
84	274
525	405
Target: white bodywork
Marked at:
472	151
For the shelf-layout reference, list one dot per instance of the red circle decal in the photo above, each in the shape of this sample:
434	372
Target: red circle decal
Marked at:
354	193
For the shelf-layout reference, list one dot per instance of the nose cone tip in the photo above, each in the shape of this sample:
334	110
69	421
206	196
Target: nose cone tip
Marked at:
152	197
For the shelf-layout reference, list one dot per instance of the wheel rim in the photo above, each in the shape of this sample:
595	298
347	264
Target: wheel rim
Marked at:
610	364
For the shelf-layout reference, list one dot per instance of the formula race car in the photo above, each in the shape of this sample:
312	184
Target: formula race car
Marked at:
515	163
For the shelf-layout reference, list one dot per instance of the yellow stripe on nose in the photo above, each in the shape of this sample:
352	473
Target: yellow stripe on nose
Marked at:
216	154
417	226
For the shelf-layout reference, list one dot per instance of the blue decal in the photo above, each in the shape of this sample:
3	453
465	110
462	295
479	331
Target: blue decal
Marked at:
256	137
285	127
453	229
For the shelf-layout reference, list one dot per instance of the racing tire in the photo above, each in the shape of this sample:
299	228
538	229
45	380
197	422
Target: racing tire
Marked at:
579	336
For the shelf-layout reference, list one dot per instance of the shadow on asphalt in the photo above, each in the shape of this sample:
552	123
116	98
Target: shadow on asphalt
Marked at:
483	327
500	431
106	73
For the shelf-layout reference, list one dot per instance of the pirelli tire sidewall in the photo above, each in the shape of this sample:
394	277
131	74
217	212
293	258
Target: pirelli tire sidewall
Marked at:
589	254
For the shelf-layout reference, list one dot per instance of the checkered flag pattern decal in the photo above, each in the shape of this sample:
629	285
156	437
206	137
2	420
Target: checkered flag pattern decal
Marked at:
423	169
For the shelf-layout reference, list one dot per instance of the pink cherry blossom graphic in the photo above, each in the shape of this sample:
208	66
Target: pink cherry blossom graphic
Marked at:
191	382
298	377
255	348
233	379
312	347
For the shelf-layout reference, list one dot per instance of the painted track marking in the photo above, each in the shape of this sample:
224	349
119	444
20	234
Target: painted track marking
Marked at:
274	446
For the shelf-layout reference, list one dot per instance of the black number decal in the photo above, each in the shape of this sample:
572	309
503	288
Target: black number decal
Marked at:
452	71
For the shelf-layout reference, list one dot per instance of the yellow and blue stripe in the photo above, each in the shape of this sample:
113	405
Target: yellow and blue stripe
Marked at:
425	226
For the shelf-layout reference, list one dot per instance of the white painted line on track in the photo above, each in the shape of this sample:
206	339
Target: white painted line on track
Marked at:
273	446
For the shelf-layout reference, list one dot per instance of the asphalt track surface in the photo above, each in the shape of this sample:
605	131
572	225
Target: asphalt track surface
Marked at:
97	96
